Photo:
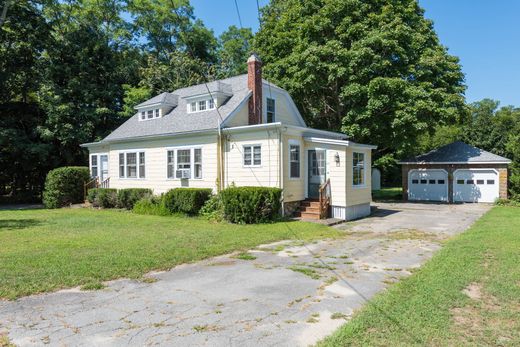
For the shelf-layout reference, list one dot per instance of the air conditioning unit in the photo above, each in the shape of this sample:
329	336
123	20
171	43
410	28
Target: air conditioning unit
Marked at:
183	173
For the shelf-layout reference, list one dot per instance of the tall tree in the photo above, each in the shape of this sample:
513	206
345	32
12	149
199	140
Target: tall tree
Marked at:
233	51
372	69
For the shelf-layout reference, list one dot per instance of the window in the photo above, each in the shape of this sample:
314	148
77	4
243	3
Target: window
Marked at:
94	165
270	110
294	160
431	181
460	181
183	163
424	181
480	181
171	164
157	113
490	181
132	165
252	155
150	114
441	181
211	103
358	169
470	182
143	115
202	105
121	165
197	163
415	181
193	107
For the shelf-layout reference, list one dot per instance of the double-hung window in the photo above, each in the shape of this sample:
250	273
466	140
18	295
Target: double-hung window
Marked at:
252	155
94	165
202	105
358	169
184	163
132	165
270	110
294	160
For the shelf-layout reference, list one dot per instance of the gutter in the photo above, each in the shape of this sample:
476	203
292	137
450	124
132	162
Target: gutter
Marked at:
452	162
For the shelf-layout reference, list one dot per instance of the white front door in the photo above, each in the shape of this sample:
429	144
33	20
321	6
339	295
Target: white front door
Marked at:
103	171
428	185
473	185
316	174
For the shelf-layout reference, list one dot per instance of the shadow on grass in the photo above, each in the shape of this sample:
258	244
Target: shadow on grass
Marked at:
18	223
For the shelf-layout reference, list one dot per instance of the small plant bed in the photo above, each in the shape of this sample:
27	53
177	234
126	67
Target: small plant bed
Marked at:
388	194
466	295
45	250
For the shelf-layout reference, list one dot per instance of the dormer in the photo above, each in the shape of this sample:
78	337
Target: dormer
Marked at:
157	107
205	99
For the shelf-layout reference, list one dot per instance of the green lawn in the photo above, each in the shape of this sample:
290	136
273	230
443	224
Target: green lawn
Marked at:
395	193
44	250
430	307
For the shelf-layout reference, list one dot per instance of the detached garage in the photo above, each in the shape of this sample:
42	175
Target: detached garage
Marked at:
456	172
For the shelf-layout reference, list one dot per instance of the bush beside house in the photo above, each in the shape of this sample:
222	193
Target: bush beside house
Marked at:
102	197
64	186
126	198
186	200
248	205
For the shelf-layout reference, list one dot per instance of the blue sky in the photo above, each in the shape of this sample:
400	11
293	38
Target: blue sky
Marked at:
484	34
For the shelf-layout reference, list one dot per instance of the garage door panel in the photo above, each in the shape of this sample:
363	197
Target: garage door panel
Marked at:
473	185
428	185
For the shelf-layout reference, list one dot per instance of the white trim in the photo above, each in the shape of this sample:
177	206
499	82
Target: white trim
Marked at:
453	162
476	169
299	144
252	145
345	143
136	151
153	109
197	105
192	149
424	170
364	185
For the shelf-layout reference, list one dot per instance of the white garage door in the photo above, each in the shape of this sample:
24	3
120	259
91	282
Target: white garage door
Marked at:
475	186
429	185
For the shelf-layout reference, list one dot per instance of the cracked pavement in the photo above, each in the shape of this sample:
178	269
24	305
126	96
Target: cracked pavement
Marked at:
291	294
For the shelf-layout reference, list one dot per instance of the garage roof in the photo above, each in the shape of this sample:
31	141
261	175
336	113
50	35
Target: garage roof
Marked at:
457	153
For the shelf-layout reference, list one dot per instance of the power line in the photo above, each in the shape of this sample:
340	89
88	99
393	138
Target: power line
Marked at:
238	13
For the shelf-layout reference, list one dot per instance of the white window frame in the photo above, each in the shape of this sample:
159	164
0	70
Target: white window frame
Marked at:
97	165
364	183
192	162
252	146
155	112
197	103
125	164
267	110
295	143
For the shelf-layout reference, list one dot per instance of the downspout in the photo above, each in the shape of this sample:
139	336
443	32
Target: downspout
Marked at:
280	168
220	162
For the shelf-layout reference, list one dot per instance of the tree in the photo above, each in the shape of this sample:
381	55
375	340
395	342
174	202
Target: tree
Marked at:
233	51
372	69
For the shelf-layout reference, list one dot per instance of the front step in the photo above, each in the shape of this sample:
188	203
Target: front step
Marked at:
309	209
307	215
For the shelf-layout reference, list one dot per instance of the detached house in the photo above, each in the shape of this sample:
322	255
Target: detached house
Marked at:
241	130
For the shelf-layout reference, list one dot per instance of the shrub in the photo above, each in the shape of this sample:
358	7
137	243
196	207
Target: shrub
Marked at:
126	198
247	205
213	209
151	205
507	202
102	197
186	200
64	186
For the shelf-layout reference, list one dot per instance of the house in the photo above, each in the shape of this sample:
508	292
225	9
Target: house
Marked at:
242	131
456	172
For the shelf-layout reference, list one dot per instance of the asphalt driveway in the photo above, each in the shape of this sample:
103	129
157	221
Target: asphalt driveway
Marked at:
289	294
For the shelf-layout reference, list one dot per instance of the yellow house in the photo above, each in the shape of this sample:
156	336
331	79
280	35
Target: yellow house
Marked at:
242	131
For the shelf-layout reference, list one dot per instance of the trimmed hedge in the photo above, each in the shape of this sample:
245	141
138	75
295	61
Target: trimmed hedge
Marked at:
213	209
151	206
64	186
186	200
102	197
248	205
126	198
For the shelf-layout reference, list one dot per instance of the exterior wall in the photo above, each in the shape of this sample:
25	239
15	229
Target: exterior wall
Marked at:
240	118
362	194
156	163
266	175
501	168
284	113
336	172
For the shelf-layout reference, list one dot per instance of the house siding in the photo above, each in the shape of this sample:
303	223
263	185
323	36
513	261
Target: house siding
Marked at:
359	195
294	188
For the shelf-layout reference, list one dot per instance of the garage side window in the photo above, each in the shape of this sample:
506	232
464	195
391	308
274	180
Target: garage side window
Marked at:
358	169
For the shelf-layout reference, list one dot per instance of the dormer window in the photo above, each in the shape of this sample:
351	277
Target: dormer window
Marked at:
201	105
157	106
150	114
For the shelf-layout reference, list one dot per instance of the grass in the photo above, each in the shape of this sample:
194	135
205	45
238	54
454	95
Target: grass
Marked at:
45	250
467	294
394	193
245	256
306	271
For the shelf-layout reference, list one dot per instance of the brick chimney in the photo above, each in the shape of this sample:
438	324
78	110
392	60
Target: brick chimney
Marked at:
254	83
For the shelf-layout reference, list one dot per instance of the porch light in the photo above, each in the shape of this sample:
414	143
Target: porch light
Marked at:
336	158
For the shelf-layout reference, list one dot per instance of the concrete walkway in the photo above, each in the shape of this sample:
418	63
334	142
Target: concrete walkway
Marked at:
291	294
